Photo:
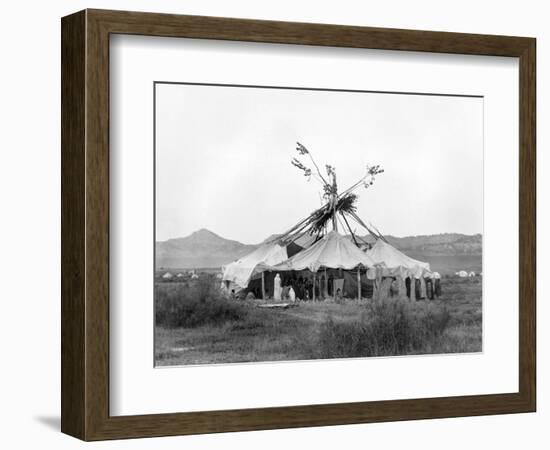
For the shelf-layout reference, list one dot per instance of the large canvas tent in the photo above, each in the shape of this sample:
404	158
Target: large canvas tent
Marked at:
326	249
333	251
394	263
241	271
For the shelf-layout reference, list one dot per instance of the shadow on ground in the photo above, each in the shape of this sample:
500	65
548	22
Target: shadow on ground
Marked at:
51	422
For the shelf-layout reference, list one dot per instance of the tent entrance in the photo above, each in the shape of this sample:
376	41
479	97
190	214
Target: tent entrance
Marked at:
320	285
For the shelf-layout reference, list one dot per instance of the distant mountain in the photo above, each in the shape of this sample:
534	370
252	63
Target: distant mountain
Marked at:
438	244
205	249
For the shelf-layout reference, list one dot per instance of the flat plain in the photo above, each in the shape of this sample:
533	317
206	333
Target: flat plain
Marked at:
193	328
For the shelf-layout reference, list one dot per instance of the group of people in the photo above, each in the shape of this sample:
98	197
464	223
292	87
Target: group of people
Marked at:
293	287
424	288
290	288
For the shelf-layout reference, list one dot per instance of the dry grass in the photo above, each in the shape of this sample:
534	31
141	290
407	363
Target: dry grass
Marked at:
297	333
200	304
386	328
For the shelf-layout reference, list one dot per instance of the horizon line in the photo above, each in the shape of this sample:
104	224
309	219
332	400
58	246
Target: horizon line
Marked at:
343	234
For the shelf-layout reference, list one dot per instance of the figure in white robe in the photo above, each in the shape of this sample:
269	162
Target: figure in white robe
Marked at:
277	290
402	295
291	294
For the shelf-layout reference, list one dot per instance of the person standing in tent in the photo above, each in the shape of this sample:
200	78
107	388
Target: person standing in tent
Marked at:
394	287
308	289
277	288
422	287
300	288
417	289
291	294
284	289
429	287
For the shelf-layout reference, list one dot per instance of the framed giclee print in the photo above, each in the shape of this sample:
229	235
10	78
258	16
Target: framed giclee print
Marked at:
270	224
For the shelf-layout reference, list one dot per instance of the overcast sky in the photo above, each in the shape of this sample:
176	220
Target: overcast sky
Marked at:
223	159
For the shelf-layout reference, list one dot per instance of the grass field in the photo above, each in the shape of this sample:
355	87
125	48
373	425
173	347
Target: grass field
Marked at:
223	331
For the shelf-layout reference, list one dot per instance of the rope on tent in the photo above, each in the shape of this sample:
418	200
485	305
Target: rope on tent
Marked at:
360	222
349	228
282	237
379	234
359	237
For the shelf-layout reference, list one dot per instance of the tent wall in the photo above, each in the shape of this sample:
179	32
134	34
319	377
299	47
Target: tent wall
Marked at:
350	285
293	248
255	284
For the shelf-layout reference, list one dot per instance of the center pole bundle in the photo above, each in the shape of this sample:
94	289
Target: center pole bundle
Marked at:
338	205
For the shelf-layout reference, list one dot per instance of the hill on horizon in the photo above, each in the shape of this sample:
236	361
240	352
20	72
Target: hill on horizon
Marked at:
206	249
203	248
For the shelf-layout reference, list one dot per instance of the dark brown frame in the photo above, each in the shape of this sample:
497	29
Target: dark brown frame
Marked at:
85	224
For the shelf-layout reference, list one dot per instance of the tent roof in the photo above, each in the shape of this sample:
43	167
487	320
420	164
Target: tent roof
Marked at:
333	251
395	262
263	258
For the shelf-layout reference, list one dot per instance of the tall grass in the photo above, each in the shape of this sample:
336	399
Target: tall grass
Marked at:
178	305
388	327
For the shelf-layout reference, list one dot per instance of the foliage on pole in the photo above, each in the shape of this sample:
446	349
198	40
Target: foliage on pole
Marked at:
336	203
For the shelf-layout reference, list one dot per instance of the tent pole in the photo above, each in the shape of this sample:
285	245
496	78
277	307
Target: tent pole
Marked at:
263	285
313	294
358	283
378	283
349	228
325	288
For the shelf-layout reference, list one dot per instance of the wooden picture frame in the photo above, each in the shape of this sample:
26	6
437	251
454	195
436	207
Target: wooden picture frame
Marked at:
85	224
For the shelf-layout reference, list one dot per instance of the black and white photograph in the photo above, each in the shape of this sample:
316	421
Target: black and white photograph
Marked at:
270	225
302	223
